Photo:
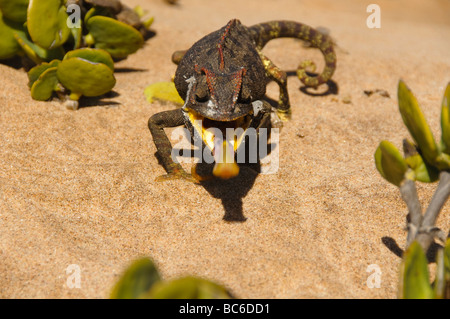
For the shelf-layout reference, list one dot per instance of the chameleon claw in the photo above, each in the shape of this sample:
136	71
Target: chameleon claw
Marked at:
198	177
177	175
284	116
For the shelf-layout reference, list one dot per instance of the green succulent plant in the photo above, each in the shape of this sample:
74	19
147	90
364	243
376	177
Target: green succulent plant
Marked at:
84	77
187	288
142	281
427	161
414	274
9	46
423	160
35	73
44	86
88	72
116	37
47	23
137	279
14	10
73	59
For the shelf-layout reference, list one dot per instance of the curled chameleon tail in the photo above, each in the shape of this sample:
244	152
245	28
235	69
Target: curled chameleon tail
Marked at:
264	32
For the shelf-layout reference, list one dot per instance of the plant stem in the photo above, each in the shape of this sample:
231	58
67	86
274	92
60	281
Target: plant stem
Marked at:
434	208
409	196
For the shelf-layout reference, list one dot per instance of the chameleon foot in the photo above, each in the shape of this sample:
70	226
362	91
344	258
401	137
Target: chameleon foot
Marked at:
177	175
199	177
278	117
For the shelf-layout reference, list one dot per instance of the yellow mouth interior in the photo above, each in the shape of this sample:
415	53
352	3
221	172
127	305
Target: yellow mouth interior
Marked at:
203	126
223	147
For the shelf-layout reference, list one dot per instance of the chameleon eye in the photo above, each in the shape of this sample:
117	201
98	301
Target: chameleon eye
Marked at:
201	92
201	95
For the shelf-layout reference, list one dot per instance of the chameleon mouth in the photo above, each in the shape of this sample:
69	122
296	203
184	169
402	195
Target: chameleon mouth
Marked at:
210	130
223	138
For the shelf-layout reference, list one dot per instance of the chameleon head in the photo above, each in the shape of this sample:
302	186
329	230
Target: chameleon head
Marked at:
219	107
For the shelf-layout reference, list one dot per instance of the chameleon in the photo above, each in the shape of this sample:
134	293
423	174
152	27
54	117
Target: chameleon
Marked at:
222	80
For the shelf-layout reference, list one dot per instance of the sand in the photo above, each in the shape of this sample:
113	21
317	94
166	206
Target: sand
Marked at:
78	187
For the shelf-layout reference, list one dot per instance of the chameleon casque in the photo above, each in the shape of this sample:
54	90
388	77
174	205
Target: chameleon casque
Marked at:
222	78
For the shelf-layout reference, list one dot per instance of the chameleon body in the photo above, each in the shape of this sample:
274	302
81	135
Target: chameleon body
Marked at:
222	78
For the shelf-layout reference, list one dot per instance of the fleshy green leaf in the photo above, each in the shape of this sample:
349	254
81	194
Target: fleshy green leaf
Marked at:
423	172
35	52
8	44
136	281
116	37
77	36
148	23
84	77
443	161
415	122
93	55
414	274
140	12
36	72
445	120
187	288
98	11
390	163
91	12
14	10
47	23
163	91
43	88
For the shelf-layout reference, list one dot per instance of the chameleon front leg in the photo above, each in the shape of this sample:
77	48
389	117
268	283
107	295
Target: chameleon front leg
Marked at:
262	122
263	110
280	77
156	125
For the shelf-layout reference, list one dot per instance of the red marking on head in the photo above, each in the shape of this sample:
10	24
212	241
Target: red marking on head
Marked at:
237	83
211	82
222	41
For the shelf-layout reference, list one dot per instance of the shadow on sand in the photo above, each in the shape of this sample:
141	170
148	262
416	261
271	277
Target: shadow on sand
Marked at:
232	191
